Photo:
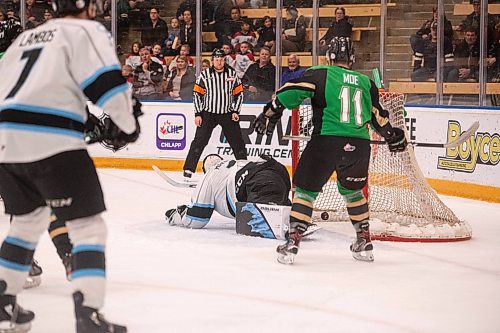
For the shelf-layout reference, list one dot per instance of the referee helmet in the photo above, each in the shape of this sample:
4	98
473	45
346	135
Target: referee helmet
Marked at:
218	53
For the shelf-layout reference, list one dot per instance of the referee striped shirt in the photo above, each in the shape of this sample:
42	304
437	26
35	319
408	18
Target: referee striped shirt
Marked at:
218	93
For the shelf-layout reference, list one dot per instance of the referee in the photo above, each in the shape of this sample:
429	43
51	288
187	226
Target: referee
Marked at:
218	94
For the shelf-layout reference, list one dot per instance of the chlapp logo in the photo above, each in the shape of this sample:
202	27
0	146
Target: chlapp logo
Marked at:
170	131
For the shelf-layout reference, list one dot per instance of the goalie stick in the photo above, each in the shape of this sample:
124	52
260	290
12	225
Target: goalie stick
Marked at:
461	139
172	181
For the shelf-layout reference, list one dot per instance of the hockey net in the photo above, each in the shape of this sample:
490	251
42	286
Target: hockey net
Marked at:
403	206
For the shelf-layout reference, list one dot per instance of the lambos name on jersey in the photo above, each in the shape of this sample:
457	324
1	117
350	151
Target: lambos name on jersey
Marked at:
38	37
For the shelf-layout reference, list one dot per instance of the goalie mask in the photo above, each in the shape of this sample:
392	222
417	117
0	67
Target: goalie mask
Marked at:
340	49
210	161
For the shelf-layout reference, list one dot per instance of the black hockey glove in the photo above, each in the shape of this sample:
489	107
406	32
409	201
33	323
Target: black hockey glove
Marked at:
94	129
266	121
397	141
115	137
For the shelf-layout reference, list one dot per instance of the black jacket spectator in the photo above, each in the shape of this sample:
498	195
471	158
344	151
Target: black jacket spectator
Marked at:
425	30
207	11
267	33
154	29
260	75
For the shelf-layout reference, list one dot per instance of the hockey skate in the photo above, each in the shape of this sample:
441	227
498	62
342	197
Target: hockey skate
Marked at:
362	247
34	278
187	174
89	320
288	251
174	216
13	318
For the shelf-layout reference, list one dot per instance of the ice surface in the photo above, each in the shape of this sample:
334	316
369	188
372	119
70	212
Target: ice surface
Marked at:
169	279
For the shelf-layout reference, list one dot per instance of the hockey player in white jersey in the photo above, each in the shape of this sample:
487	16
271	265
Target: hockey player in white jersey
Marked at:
226	182
48	73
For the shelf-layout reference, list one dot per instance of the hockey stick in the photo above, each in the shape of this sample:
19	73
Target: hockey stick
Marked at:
461	139
171	181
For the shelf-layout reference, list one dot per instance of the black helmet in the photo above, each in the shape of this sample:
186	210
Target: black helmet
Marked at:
70	7
218	53
340	49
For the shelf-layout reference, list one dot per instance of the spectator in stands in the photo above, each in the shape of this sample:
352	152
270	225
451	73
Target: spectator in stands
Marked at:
226	31
426	52
34	12
244	35
184	51
259	78
133	58
187	34
467	57
241	60
11	13
205	63
425	30
157	55
122	8
207	12
294	69
267	33
148	77
170	45
229	52
341	26
47	15
154	29
128	74
473	20
181	81
294	32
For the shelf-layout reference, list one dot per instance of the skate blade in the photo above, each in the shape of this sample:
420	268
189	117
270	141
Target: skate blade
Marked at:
32	282
286	259
363	256
311	229
14	328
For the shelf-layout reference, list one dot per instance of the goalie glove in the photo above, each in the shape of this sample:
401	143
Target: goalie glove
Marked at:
396	140
266	121
94	129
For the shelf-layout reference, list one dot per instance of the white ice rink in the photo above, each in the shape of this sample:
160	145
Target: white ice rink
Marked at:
168	279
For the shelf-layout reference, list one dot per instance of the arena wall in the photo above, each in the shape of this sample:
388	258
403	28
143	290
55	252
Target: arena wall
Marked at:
471	170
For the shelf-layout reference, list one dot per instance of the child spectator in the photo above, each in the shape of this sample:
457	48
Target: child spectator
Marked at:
184	51
267	33
205	64
133	58
128	74
172	40
242	59
244	35
157	55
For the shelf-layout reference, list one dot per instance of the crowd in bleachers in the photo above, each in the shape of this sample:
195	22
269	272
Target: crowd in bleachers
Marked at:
461	55
161	64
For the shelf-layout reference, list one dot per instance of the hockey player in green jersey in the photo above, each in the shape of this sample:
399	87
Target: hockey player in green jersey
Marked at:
344	103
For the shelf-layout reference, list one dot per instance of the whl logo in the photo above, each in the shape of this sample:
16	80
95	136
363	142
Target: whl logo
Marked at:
482	148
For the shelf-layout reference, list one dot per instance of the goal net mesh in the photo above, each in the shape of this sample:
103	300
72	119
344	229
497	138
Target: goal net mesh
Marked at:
403	207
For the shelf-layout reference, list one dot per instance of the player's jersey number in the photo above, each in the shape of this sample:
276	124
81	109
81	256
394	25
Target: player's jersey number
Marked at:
32	57
347	104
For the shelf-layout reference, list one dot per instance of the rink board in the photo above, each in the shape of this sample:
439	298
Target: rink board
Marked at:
470	170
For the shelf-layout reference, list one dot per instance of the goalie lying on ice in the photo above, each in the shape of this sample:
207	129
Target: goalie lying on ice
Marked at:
263	181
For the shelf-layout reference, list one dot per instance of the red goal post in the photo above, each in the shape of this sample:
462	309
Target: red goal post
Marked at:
403	206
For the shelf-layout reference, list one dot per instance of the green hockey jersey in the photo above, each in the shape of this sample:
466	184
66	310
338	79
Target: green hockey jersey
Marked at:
343	101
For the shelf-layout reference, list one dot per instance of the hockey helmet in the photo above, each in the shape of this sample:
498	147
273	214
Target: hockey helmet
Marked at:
218	53
340	49
70	7
210	161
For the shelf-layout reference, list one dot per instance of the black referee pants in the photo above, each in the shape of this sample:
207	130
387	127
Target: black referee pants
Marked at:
231	130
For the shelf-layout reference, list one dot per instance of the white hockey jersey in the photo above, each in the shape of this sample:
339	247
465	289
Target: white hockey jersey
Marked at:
47	75
215	192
